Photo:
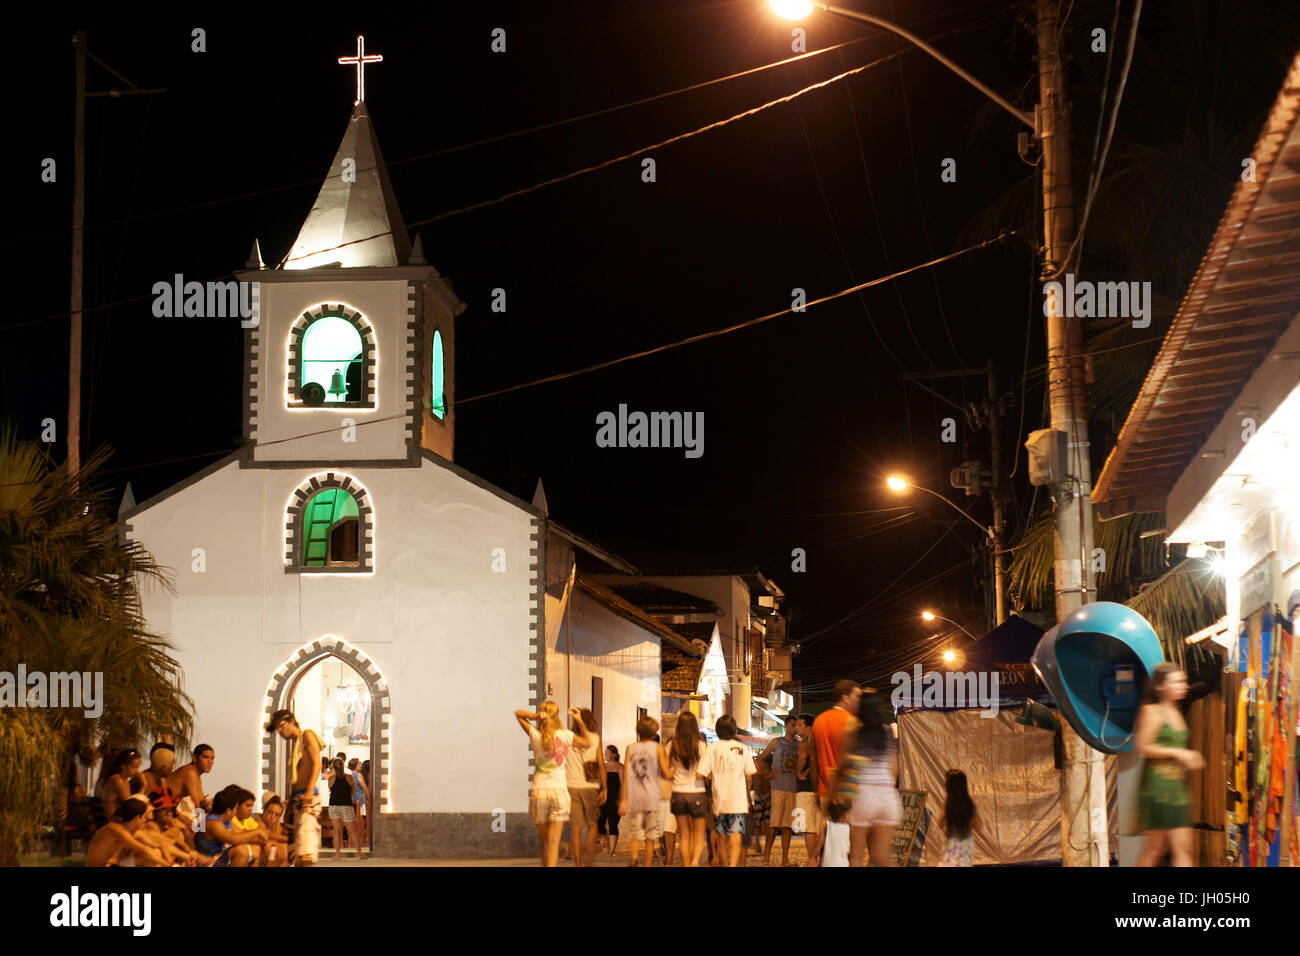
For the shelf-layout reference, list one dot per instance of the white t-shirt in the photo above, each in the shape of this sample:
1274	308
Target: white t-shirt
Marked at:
684	778
836	850
573	775
549	774
730	763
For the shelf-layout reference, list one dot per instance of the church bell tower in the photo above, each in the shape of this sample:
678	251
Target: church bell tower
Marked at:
351	355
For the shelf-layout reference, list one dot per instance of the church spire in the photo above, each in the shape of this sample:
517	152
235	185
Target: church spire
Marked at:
355	222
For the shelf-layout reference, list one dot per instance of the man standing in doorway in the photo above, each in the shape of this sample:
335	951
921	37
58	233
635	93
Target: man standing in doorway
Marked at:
304	802
784	754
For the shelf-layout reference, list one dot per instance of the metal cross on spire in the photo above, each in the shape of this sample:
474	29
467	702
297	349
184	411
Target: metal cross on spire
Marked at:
361	60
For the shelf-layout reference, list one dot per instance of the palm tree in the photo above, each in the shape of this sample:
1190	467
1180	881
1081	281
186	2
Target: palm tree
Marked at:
70	602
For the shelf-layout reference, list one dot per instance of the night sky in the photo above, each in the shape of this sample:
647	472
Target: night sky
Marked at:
804	415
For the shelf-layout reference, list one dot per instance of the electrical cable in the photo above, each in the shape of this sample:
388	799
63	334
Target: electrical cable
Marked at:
319	181
528	189
1068	258
854	613
916	182
732	328
835	231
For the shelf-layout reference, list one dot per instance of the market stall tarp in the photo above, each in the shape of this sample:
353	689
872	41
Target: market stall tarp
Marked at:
1012	778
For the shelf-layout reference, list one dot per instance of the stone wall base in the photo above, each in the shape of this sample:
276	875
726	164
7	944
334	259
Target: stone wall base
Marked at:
454	835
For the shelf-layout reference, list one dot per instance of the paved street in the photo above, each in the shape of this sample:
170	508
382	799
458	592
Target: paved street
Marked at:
797	857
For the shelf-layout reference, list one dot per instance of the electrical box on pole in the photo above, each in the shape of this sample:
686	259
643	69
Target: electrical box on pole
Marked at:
1048	456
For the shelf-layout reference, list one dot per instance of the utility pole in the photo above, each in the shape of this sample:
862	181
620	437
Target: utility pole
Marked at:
1084	813
993	409
78	221
993	484
78	238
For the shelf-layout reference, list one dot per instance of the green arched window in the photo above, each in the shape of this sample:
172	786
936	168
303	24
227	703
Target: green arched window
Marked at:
332	358
331	530
438	395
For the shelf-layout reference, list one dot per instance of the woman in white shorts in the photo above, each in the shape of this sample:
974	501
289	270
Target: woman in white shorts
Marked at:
548	800
877	809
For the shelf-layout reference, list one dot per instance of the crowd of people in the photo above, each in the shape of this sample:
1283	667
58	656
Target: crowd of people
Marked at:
160	816
832	779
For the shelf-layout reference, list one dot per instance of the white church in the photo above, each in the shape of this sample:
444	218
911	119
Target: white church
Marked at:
343	566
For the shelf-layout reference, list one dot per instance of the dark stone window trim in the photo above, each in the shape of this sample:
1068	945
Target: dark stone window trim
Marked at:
293	526
363	327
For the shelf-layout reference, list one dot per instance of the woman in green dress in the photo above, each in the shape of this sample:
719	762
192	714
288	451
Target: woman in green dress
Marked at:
1163	800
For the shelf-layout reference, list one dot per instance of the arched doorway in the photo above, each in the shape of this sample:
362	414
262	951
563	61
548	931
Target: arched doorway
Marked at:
335	690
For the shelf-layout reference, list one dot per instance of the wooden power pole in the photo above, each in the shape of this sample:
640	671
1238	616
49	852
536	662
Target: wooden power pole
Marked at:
78	222
1084	813
78	239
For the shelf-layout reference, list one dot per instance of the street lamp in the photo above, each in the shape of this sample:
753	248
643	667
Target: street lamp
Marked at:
1083	780
931	616
896	483
798	9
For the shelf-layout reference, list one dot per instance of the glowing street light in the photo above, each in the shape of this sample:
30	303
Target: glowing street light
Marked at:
792	9
895	483
949	657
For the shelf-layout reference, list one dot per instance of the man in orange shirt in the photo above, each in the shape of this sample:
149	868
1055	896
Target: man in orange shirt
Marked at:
828	735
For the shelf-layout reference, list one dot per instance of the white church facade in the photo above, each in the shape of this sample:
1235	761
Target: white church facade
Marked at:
340	564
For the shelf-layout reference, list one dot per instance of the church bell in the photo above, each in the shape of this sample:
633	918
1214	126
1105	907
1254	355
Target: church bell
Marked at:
336	384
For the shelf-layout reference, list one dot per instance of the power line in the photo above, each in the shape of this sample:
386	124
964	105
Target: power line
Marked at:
916	182
858	610
518	192
789	97
626	358
739	325
835	231
553	124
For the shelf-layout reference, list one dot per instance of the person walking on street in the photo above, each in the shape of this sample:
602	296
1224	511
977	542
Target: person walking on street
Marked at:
1164	805
584	775
607	825
548	800
639	807
866	777
730	765
688	801
807	807
957	821
783	752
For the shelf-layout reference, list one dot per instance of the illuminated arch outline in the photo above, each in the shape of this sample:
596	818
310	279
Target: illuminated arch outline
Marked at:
286	678
299	329
294	518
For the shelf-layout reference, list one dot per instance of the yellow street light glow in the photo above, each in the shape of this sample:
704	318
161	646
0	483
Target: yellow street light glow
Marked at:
927	615
792	9
949	657
896	483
